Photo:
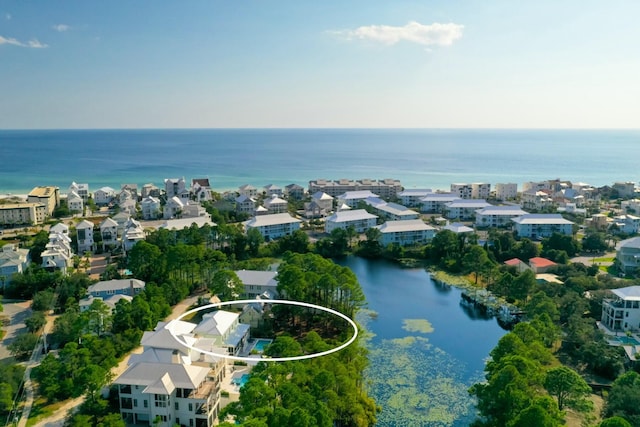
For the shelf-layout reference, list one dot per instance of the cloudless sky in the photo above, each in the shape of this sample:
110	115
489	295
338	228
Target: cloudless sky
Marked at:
329	63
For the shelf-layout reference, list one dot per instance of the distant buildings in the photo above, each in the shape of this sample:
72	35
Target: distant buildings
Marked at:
386	188
538	226
359	219
273	226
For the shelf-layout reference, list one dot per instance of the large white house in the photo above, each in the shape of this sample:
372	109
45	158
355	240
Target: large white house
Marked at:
435	202
406	232
258	282
411	197
12	260
392	211
275	204
359	219
84	232
107	288
622	311
273	226
628	255
497	216
508	191
225	331
464	208
104	195
538	226
352	198
150	207
170	384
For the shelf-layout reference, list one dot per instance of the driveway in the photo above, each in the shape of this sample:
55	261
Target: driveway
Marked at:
16	312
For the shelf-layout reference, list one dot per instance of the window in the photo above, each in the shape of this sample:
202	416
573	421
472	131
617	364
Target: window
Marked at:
135	403
177	406
190	407
145	403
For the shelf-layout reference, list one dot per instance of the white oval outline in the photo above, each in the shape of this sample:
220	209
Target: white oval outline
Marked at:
169	327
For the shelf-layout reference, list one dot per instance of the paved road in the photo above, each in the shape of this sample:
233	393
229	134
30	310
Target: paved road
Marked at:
17	312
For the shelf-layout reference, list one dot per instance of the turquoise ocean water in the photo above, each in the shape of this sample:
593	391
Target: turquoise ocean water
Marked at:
233	157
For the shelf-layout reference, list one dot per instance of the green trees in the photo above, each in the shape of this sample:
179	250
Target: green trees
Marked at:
624	398
226	285
567	387
23	345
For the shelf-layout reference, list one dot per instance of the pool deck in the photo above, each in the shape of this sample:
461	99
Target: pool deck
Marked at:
616	338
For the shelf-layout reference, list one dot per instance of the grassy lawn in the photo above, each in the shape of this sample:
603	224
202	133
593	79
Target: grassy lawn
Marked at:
610	259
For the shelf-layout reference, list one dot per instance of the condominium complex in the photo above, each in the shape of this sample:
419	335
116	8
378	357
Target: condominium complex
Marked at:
386	188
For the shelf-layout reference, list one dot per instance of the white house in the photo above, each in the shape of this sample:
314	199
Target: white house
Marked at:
435	202
407	232
245	204
411	198
508	191
294	191
536	199
81	190
391	211
84	233
248	190
150	190
60	228
104	195
57	254
628	255
323	200
274	226
201	189
107	288
497	216
275	204
176	187
75	202
226	331
133	233
173	208
628	224
272	190
359	219
538	226
464	208
12	260
622	311
352	198
458	228
150	207
258	282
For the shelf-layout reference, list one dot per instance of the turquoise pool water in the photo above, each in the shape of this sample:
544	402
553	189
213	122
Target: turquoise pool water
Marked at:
240	381
261	344
628	340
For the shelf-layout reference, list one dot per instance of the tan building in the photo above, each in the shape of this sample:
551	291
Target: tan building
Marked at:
47	195
22	213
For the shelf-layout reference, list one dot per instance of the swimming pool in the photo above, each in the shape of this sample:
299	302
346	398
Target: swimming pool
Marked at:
628	340
261	344
241	380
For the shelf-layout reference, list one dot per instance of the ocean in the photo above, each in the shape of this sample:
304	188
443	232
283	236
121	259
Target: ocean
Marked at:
419	158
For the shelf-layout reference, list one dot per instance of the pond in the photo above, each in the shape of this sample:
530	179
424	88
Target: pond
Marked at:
425	347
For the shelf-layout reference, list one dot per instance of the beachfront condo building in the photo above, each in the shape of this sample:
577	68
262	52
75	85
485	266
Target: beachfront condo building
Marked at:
48	196
22	214
406	233
386	188
273	226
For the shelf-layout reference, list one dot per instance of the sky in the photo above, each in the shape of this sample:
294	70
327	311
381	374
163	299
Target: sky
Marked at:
319	64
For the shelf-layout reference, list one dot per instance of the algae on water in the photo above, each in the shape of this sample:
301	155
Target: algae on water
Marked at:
418	325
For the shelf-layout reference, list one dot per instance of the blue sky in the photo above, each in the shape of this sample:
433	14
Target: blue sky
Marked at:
373	63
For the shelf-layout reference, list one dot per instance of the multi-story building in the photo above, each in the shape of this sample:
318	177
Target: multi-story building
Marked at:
169	383
272	190
23	214
150	207
248	190
201	189
464	208
386	188
84	234
107	288
507	191
149	190
391	211
359	219
625	190
538	226
353	198
435	202
622	311
274	226
294	191
536	199
628	255
104	196
12	260
258	282
462	191
176	187
109	233
628	224
75	202
406	233
497	216
57	254
81	190
48	196
412	197
275	204
245	204
132	234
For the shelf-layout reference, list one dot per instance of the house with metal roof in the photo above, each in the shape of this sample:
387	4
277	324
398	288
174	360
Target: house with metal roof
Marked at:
107	288
497	216
359	219
273	226
406	232
628	255
12	260
621	312
257	282
464	208
538	226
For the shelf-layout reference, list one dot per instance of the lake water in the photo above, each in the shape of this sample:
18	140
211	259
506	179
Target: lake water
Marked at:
426	349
